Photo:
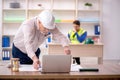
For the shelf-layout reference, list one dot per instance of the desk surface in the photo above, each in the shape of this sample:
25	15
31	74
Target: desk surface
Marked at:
79	50
105	71
96	44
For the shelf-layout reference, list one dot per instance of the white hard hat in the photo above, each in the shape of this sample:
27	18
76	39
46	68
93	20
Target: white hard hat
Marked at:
47	19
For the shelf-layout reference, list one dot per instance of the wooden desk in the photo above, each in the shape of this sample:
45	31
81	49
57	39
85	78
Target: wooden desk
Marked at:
79	50
106	72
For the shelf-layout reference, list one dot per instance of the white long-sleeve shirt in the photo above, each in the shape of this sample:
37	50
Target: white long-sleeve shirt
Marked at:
28	38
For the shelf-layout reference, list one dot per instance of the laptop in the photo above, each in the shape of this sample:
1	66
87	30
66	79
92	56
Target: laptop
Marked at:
56	63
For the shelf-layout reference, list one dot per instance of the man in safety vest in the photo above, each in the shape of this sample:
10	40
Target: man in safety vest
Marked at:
77	35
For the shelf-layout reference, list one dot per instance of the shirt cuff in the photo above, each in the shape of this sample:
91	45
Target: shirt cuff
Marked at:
31	55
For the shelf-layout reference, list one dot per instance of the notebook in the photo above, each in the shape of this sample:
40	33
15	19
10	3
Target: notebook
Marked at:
56	63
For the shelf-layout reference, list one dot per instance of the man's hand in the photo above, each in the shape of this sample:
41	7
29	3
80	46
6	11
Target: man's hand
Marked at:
67	50
36	62
74	30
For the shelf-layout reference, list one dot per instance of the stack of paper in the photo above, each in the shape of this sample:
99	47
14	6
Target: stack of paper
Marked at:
28	68
74	67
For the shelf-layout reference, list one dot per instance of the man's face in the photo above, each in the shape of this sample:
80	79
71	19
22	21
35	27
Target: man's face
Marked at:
76	27
42	28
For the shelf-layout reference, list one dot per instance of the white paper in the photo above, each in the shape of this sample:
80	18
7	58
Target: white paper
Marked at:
28	68
74	68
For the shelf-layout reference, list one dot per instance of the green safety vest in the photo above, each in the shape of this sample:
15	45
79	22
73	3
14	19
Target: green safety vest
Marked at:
73	37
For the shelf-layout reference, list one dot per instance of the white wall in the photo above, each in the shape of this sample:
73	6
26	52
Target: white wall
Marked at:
111	29
0	28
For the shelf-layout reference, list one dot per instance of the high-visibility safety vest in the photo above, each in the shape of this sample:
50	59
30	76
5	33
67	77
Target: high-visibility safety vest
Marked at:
73	37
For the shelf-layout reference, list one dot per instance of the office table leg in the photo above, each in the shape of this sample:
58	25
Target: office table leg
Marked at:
100	60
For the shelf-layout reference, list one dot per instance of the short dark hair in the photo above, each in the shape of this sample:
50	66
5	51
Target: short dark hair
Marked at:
77	22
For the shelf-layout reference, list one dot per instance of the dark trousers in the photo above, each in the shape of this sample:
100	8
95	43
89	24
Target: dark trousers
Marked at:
77	59
24	59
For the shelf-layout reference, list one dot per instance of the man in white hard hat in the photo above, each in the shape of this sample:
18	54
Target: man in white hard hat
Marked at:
32	34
